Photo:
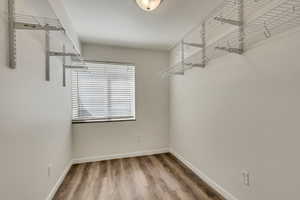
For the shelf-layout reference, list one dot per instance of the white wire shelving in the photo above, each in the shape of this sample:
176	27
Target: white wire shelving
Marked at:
30	22
233	27
23	22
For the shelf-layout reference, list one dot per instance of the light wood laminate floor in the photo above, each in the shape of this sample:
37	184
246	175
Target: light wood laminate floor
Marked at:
157	177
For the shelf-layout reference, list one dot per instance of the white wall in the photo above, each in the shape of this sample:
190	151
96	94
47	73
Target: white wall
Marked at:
242	113
150	130
35	115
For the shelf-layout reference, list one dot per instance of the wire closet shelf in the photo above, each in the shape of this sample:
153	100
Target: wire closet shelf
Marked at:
233	27
35	23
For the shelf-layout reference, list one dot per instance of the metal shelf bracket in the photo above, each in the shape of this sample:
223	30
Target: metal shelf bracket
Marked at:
194	45
194	65
38	27
182	57
228	21
24	23
56	54
253	21
65	66
230	50
241	11
203	36
11	34
241	30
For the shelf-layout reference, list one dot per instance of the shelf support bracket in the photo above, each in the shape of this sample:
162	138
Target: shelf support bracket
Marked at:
13	25
203	36
242	27
194	45
182	58
241	30
230	50
47	58
11	34
194	65
65	67
38	27
228	21
178	73
56	54
75	67
62	54
198	65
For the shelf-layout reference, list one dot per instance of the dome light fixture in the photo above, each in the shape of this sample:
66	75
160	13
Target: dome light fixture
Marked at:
149	5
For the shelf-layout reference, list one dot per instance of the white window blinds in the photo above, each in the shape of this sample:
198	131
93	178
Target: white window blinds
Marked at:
104	92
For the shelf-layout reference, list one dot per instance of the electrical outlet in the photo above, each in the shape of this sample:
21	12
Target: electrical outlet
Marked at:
49	170
246	178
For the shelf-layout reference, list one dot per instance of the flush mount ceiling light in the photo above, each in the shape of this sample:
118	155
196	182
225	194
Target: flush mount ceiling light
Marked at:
148	5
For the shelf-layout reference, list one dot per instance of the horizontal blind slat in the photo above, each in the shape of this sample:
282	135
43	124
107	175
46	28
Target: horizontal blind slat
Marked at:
103	91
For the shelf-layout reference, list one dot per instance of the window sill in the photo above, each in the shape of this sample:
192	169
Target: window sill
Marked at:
102	120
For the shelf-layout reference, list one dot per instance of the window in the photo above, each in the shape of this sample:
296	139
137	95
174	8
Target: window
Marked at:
103	92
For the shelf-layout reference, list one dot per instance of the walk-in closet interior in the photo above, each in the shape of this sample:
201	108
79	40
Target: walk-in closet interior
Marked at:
149	99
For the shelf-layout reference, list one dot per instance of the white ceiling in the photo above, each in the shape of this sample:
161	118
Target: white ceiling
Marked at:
123	23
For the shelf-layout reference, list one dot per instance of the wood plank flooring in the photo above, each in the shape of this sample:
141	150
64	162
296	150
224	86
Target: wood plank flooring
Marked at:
157	177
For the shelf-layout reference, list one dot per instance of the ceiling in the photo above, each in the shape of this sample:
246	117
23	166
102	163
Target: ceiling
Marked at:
123	23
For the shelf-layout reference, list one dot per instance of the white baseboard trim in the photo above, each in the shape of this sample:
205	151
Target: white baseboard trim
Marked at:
227	195
59	181
118	156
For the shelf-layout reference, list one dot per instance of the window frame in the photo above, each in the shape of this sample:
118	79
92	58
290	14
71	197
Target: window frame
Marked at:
111	119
